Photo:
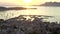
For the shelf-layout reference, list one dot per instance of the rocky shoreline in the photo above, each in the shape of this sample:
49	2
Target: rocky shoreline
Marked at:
19	25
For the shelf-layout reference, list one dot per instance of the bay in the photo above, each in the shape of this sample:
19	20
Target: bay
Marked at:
50	11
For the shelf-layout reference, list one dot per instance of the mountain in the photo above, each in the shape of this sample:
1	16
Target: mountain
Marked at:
50	4
55	4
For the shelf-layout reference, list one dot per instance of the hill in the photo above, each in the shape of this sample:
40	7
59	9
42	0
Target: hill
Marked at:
55	4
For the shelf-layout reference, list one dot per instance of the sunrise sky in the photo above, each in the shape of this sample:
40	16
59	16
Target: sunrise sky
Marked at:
23	2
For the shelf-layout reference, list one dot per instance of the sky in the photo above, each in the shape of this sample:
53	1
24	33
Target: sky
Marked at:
21	2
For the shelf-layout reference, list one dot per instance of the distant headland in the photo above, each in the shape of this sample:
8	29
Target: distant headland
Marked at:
51	4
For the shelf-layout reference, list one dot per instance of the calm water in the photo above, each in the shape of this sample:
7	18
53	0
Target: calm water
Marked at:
51	11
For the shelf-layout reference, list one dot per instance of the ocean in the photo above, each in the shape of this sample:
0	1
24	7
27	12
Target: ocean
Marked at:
50	11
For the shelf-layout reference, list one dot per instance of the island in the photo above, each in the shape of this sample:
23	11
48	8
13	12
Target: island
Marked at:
14	8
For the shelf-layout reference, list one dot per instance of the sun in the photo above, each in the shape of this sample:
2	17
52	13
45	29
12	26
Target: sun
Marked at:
27	2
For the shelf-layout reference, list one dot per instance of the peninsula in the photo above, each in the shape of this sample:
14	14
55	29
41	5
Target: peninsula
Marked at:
14	8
